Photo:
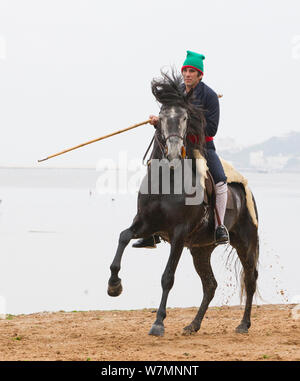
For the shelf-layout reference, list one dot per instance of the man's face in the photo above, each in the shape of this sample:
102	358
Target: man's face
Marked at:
191	77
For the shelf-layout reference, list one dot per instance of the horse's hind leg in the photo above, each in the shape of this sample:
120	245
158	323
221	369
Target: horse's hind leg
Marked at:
247	250
201	259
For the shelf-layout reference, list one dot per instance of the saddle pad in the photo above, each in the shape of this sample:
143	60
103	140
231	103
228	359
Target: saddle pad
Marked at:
233	176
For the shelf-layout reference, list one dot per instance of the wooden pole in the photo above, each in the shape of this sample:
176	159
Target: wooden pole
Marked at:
96	140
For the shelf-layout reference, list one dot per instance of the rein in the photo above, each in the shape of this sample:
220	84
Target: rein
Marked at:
152	140
162	148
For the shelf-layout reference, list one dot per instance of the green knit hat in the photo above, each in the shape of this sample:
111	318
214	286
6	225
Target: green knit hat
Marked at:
194	60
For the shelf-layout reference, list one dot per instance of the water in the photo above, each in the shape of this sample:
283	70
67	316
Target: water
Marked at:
58	238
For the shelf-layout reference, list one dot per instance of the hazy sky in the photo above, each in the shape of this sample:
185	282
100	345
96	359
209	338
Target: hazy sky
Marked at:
72	70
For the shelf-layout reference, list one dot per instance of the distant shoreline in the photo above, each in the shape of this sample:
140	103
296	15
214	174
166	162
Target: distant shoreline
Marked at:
29	167
242	170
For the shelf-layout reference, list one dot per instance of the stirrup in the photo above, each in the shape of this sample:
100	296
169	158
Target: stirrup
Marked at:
148	243
226	240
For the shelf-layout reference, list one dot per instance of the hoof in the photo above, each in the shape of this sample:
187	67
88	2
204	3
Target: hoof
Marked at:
157	330
115	290
242	328
189	330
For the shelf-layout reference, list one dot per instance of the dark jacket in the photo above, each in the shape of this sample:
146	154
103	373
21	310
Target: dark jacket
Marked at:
204	96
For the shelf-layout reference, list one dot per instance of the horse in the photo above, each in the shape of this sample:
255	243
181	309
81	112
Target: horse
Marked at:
182	225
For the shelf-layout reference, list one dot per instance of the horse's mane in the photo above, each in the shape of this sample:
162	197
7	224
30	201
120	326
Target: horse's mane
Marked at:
169	91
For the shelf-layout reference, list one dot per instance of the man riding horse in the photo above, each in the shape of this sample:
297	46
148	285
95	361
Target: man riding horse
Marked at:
202	95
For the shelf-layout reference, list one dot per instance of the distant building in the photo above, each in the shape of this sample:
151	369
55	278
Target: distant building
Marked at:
275	154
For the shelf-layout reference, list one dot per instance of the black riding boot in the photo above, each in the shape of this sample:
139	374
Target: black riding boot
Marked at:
149	243
221	235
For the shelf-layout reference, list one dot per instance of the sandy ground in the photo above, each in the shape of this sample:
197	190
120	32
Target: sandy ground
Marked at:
123	335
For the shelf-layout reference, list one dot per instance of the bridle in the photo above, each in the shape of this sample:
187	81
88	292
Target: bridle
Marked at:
161	142
164	148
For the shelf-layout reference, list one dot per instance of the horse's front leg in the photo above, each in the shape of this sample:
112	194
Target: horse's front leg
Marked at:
114	283
167	282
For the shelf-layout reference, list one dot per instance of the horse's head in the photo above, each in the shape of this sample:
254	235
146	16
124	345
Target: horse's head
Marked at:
173	128
178	116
